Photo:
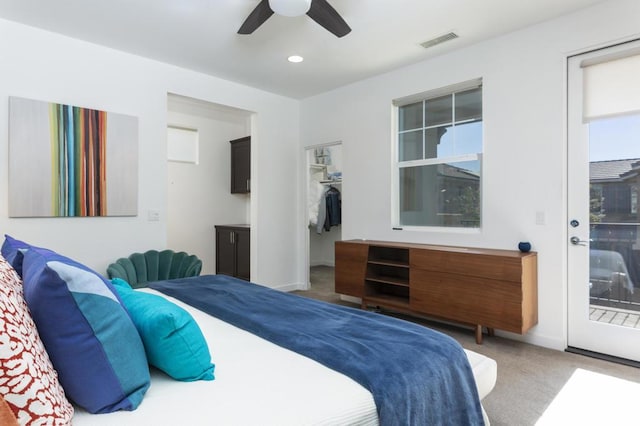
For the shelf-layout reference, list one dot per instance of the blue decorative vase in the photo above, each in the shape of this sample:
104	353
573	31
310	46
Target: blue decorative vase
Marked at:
524	246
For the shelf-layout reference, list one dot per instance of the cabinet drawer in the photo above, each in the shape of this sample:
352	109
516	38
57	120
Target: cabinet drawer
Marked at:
351	265
471	300
506	268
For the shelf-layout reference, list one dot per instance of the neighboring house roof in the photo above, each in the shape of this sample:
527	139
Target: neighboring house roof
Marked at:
612	170
457	172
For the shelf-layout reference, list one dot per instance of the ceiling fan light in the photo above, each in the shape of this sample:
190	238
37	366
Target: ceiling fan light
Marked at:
290	7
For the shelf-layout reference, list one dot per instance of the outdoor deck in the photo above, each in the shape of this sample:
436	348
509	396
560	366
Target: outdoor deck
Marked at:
614	316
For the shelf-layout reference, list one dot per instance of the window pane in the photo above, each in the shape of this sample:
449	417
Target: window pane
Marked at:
614	178
410	117
441	195
438	111
614	155
469	105
433	141
461	139
410	146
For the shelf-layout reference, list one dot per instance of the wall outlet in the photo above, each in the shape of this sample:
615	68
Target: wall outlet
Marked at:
153	215
541	218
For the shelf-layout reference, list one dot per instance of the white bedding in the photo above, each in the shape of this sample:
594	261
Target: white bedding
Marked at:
258	382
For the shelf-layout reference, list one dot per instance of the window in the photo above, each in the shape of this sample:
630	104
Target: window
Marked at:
438	163
182	145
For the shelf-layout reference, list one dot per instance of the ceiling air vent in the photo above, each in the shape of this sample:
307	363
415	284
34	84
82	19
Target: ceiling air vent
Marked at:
434	41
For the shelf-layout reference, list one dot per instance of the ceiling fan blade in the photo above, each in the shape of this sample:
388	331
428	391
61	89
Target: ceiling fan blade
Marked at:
257	17
325	15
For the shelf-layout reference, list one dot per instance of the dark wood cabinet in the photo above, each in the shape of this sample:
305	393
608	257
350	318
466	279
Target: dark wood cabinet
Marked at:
241	165
233	248
479	287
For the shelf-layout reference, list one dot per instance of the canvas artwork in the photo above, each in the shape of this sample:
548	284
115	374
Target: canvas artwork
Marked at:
69	161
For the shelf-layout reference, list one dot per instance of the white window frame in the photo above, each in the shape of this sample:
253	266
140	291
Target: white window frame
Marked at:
397	165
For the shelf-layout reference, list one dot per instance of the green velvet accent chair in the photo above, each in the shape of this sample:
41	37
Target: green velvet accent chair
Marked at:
141	268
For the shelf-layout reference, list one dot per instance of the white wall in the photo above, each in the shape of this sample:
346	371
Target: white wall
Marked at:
198	194
41	65
524	165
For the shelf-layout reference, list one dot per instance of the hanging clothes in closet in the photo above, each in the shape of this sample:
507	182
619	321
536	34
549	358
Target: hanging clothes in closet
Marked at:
329	210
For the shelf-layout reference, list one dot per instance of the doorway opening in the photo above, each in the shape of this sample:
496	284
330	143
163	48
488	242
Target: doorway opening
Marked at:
198	186
324	214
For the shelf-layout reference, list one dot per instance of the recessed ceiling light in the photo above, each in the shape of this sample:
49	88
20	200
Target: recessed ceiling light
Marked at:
295	59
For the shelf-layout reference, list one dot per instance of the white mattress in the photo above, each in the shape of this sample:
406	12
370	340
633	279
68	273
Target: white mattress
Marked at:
258	382
485	371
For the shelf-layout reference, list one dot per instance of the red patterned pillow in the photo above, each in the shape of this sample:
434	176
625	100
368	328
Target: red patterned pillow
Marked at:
28	381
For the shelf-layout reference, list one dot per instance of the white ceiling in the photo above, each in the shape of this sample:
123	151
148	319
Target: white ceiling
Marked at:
202	34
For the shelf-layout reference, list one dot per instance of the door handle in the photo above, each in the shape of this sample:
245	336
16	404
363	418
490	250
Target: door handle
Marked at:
576	241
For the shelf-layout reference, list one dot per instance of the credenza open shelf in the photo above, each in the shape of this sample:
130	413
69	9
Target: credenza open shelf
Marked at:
387	277
479	287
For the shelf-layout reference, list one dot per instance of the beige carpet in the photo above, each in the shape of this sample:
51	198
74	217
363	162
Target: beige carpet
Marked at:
535	385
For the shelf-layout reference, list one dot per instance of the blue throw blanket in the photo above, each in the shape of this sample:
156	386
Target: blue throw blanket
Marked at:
417	376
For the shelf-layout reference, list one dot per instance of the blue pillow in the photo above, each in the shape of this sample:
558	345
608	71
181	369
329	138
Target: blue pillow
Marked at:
172	339
12	250
88	334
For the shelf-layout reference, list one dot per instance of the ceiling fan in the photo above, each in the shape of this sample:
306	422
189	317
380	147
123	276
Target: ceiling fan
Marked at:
318	10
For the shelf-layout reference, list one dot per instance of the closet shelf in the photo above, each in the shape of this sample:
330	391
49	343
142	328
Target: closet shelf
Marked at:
317	166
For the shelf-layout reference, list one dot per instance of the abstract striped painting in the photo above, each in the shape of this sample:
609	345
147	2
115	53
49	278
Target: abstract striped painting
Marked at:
78	156
68	161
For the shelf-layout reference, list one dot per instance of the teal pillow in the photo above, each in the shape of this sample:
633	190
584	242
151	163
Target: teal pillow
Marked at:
172	339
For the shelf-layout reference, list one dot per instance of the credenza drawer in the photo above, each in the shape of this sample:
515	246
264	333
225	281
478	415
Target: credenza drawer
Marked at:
471	300
351	264
506	268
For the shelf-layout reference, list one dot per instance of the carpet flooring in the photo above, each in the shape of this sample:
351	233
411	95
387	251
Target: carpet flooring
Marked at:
535	385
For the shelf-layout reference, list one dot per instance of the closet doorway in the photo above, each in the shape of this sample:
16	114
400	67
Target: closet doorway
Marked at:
324	214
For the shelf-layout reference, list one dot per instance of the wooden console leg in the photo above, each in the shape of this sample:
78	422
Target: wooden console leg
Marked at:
491	331
479	334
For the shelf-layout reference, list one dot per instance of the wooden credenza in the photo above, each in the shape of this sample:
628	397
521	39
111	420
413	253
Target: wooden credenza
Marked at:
479	287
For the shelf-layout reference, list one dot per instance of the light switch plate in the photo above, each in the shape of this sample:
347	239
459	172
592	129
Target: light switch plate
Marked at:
153	216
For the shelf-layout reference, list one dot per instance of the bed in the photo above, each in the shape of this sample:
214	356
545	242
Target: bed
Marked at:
259	382
69	334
